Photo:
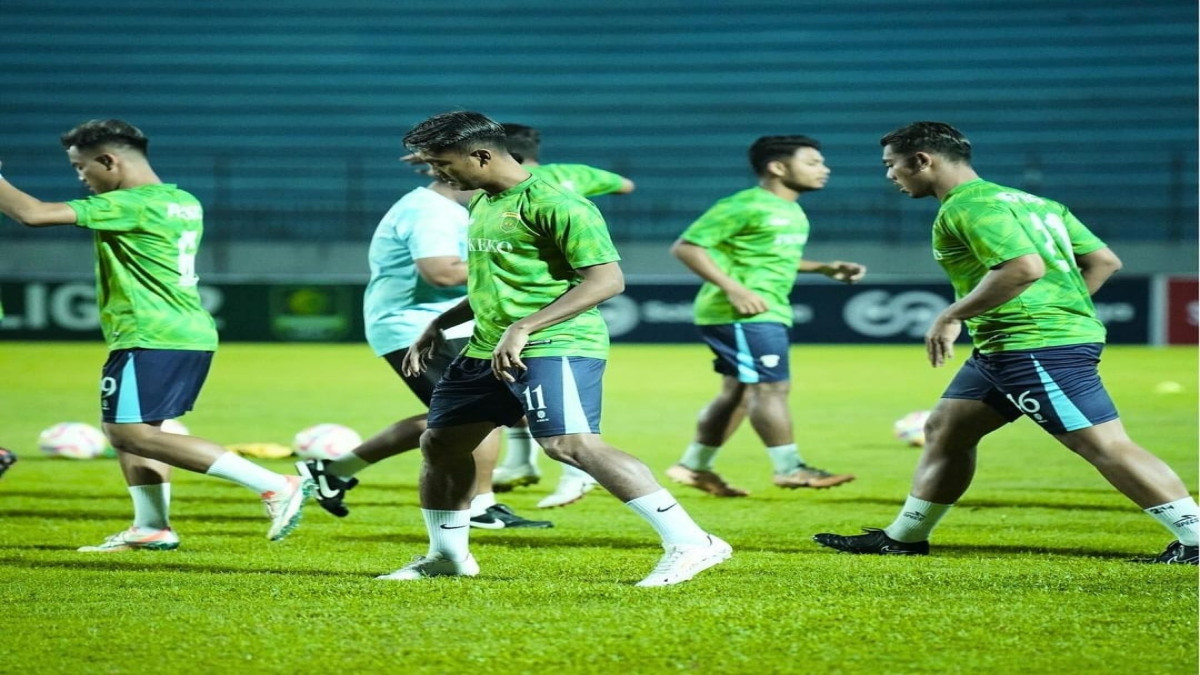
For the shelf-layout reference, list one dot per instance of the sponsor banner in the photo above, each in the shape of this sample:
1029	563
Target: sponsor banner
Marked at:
645	313
1182	311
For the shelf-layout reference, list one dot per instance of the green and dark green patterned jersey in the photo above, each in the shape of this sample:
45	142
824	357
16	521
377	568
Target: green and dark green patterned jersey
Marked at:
579	178
524	246
980	225
146	240
757	238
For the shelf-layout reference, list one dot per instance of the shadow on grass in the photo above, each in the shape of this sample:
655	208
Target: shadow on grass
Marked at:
970	504
139	560
535	539
60	496
126	514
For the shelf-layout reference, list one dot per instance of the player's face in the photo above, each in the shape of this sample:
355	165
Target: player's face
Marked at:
95	168
805	171
456	168
902	171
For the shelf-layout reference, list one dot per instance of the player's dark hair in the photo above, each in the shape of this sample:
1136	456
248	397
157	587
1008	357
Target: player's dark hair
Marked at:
524	143
96	133
455	131
773	148
936	138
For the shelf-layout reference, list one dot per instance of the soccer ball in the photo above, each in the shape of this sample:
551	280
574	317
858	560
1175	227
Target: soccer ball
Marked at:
73	440
175	427
325	441
911	428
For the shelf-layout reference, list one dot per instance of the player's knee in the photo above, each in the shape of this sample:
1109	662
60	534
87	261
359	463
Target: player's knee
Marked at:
128	437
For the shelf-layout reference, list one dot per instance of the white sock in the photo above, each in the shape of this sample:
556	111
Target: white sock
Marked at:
916	520
481	502
347	465
1181	518
520	448
785	458
244	472
699	457
577	473
151	505
448	533
669	519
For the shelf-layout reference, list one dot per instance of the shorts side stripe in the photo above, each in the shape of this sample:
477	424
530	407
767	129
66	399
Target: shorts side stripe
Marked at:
745	360
129	402
574	419
1068	414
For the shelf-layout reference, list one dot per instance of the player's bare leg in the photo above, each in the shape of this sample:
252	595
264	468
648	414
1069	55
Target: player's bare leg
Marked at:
771	417
717	422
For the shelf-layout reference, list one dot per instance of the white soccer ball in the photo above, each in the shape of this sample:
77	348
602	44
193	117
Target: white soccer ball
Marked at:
325	441
174	427
911	428
73	440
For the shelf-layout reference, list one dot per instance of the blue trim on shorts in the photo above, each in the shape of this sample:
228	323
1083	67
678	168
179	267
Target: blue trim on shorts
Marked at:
745	359
129	402
575	420
1068	414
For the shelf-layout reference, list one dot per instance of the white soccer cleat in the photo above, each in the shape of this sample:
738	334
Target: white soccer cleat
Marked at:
425	566
136	538
570	489
283	508
680	563
505	478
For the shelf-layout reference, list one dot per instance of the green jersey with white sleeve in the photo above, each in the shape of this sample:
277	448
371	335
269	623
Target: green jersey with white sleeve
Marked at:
524	246
980	225
146	240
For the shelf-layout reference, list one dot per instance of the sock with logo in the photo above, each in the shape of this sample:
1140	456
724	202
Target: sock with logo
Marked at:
481	503
699	457
448	532
1181	518
520	449
347	465
244	472
916	520
785	458
151	506
669	519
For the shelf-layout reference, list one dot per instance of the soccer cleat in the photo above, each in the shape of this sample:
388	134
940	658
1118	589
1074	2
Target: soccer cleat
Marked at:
875	542
7	459
283	508
500	516
807	476
570	489
705	481
505	478
680	563
424	566
136	538
330	489
1177	553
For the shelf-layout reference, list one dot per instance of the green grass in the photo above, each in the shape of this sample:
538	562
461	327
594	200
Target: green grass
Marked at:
1028	572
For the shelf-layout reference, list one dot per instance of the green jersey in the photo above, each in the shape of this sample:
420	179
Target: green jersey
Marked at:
579	178
981	225
146	240
757	238
524	246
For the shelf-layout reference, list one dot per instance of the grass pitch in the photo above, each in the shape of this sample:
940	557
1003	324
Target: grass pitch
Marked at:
1028	572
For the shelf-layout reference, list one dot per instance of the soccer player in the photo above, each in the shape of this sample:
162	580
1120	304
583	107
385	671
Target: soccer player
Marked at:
161	340
519	466
539	262
748	248
1023	270
418	270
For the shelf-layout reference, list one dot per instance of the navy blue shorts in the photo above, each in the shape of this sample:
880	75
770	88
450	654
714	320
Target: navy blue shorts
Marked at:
151	385
752	352
422	385
1057	387
559	395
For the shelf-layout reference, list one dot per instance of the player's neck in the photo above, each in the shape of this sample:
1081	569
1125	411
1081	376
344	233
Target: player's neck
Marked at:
138	176
778	189
504	176
955	175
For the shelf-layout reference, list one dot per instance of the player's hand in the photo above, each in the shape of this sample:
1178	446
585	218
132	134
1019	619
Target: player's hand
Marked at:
423	349
506	357
845	272
745	301
939	340
414	160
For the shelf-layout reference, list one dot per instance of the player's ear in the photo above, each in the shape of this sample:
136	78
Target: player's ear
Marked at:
776	168
107	161
482	155
921	161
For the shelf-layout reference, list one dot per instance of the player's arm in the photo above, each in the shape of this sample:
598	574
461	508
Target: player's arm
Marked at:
627	186
1097	267
1001	284
838	270
443	270
33	212
599	283
431	339
697	259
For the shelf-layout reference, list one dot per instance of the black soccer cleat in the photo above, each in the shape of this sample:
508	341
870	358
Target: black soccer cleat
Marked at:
499	517
7	459
874	542
1177	553
331	489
